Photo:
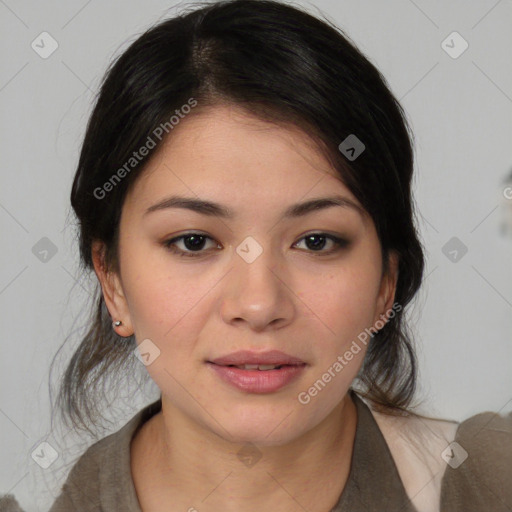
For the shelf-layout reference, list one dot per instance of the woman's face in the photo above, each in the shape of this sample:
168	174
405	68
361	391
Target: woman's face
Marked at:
256	280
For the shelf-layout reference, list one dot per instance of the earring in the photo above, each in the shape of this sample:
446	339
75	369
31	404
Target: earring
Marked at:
117	323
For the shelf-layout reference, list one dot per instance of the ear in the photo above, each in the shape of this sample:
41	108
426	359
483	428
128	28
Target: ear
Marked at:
112	289
387	290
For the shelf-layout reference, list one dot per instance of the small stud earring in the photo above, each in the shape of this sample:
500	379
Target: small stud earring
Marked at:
117	323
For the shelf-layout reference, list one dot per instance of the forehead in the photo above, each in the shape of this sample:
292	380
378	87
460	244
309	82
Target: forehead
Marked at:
225	152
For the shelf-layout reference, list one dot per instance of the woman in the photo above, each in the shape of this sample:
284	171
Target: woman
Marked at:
244	198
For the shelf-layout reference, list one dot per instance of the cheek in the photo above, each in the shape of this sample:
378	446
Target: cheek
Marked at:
343	301
161	298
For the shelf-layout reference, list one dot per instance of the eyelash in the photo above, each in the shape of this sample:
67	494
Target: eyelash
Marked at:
340	244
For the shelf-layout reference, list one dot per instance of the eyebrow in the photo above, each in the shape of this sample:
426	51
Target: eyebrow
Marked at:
214	209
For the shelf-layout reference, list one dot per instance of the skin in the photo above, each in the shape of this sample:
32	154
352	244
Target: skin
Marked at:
293	297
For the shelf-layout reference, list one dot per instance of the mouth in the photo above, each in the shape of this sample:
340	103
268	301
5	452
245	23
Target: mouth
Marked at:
259	367
257	373
250	360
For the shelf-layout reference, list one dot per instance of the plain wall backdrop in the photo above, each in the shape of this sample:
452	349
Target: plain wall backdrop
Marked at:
459	105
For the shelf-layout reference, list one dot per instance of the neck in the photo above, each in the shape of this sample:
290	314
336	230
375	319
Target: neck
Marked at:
196	468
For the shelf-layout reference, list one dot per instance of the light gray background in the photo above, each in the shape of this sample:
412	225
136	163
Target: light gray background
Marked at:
460	111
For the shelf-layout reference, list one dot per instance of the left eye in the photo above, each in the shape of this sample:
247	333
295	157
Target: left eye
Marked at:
193	243
316	241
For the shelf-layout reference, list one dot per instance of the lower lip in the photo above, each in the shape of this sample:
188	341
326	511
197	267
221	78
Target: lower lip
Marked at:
258	381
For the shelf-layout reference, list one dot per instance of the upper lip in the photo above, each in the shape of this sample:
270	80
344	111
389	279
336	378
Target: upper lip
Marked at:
247	357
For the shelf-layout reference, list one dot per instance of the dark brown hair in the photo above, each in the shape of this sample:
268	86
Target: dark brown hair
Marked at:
285	66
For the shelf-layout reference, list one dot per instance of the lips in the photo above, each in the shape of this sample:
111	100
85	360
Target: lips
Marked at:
264	359
258	372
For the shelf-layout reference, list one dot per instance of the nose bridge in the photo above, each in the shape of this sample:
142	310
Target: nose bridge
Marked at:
256	293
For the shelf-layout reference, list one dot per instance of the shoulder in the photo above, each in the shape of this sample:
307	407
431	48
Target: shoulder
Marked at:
480	477
81	490
449	465
416	444
103	471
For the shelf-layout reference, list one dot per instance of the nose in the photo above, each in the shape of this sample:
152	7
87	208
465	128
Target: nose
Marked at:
257	294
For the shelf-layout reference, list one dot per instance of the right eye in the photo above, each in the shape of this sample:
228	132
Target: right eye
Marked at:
192	244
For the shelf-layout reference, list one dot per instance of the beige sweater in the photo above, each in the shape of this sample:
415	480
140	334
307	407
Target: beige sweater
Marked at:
398	464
